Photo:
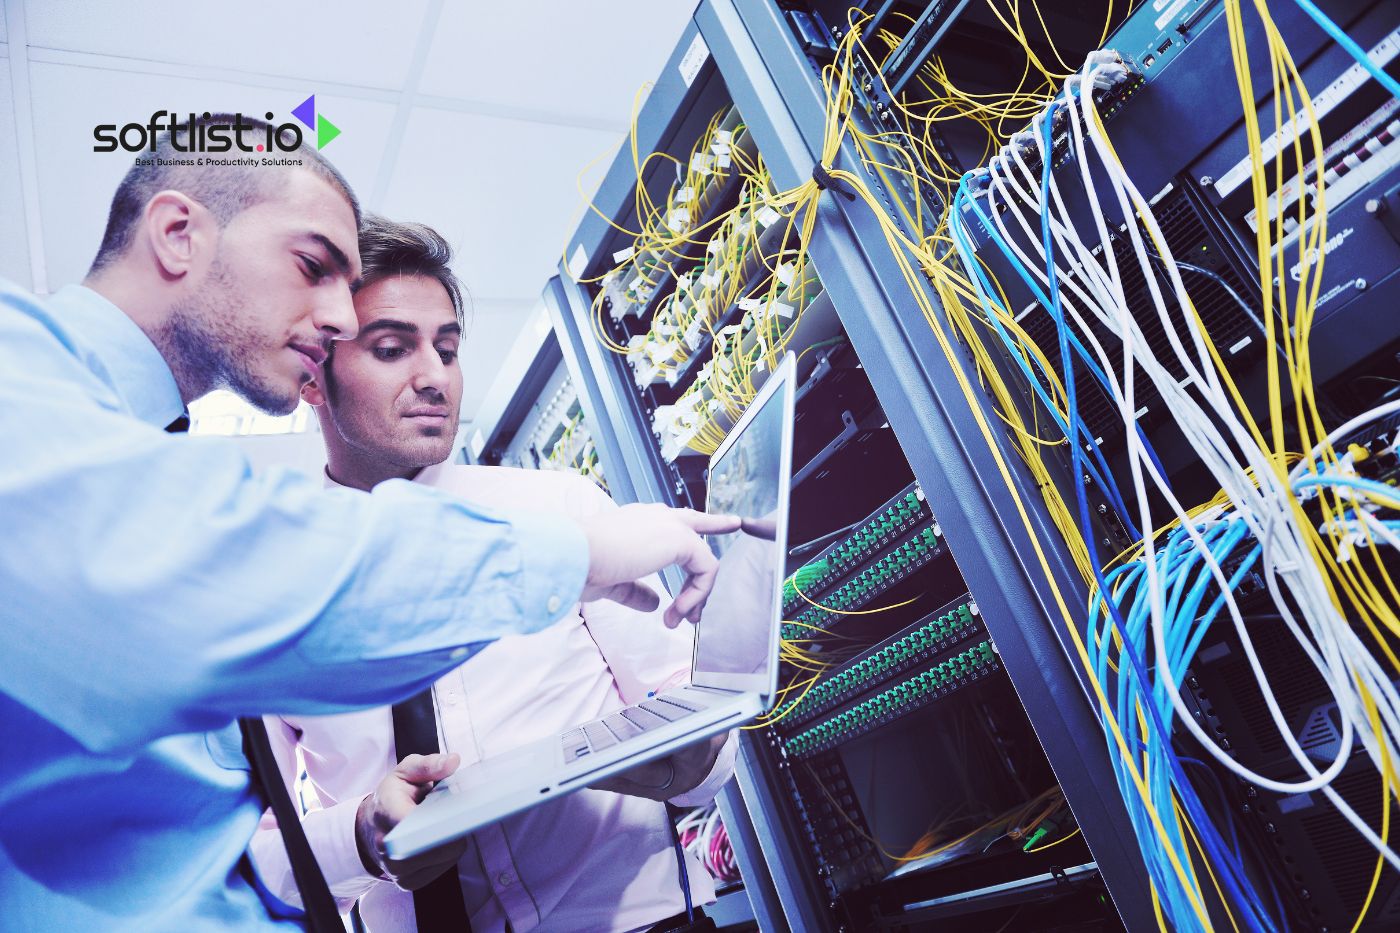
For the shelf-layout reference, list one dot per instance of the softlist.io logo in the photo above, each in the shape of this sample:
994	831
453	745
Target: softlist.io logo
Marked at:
202	135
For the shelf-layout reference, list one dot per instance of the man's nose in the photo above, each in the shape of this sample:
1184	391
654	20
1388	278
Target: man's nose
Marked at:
430	375
334	315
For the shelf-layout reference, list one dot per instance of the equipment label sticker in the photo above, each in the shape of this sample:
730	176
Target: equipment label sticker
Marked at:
694	59
578	261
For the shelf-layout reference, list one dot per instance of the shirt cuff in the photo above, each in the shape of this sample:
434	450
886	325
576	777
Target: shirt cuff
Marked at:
723	770
554	567
331	832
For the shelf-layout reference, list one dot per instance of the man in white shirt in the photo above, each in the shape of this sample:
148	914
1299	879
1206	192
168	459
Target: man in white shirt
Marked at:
597	860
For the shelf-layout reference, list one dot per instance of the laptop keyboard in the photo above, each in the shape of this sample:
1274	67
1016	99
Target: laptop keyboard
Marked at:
625	724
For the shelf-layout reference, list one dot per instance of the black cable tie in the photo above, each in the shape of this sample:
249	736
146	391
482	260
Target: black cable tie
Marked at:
825	182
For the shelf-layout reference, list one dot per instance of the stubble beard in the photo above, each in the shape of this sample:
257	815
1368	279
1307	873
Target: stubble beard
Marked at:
209	346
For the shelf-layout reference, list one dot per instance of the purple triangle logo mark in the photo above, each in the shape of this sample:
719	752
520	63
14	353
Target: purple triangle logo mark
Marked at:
306	112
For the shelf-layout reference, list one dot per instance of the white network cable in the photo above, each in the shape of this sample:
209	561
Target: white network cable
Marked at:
1269	511
1204	411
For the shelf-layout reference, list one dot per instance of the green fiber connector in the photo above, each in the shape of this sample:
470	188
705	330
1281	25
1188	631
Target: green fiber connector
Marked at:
862	543
892	656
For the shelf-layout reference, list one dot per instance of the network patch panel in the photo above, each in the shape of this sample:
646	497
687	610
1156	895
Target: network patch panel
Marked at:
938	681
794	311
826	808
882	529
897	564
931	636
690	203
556	434
705	289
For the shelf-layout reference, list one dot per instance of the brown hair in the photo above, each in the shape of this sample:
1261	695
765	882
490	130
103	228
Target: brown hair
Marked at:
388	248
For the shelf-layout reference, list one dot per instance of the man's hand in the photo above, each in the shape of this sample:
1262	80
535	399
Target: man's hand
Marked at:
633	541
668	777
395	798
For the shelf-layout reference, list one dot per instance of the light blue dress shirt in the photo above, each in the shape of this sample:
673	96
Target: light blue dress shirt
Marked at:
152	589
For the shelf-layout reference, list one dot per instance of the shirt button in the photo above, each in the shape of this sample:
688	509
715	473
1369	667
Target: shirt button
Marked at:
458	654
505	879
553	605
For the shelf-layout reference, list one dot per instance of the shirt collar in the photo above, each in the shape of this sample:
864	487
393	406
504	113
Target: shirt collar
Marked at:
115	348
428	476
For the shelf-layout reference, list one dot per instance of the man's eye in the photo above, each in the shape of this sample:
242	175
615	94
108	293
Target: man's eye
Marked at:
389	353
314	270
447	355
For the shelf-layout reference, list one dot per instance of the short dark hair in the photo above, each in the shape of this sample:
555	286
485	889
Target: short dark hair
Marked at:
225	190
388	248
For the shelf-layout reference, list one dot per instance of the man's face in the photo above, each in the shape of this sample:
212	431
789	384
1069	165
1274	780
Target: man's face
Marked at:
394	392
274	295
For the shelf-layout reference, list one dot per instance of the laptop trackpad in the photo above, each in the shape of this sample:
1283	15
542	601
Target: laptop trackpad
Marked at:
493	772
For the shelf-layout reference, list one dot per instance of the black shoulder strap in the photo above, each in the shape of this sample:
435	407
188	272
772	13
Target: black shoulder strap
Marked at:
438	904
321	913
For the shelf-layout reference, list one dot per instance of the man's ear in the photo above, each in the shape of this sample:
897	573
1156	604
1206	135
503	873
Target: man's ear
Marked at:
312	394
179	232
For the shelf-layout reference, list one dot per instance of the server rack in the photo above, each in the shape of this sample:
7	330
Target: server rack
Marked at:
756	56
912	395
543	426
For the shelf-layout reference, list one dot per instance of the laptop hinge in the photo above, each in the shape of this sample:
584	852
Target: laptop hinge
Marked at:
722	691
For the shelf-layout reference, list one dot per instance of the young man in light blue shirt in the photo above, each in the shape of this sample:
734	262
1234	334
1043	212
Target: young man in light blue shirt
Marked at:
154	589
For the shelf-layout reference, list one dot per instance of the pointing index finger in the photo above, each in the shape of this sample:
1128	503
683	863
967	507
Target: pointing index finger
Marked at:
706	524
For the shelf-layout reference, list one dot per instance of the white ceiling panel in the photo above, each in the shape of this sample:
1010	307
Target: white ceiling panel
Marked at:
76	184
502	191
349	41
500	125
586	58
491	330
14	247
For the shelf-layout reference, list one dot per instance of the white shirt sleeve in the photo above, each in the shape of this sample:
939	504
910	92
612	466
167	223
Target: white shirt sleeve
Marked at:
330	831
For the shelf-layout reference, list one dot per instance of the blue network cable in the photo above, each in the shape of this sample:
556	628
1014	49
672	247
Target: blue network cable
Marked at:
1347	42
1159	706
1164	877
1354	482
965	197
1132	684
1158	781
1099	471
1176	559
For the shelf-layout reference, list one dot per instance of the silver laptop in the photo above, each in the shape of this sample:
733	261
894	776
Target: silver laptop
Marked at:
734	666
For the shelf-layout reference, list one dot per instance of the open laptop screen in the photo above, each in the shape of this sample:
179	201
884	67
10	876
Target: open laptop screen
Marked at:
748	478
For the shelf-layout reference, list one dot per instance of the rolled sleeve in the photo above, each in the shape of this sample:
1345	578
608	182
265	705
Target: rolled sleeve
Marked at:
554	566
243	593
331	834
330	831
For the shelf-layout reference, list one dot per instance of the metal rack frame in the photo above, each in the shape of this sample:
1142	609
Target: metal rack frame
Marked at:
777	91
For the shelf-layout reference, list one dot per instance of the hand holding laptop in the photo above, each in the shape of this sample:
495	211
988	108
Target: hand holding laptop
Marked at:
636	540
679	773
397	796
405	787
